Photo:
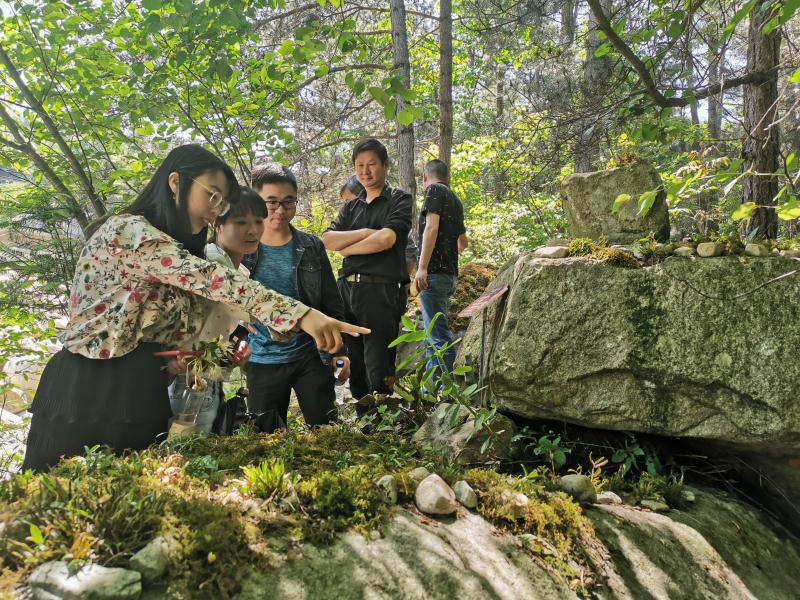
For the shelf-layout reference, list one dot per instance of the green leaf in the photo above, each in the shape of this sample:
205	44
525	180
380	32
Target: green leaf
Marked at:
379	94
36	535
390	109
675	28
405	118
745	211
138	68
791	162
795	78
604	49
619	202
789	210
151	4
646	201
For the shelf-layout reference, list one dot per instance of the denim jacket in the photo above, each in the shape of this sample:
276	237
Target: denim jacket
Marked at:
314	278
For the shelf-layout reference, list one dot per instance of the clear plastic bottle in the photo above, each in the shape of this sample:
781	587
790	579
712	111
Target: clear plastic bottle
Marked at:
338	370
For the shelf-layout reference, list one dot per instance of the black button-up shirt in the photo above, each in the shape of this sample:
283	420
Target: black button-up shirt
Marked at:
392	209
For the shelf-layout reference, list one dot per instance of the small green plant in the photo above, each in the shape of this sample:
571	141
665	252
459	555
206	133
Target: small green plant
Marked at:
552	449
423	386
628	456
268	479
202	467
209	363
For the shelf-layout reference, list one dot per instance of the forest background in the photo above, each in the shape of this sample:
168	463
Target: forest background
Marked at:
515	95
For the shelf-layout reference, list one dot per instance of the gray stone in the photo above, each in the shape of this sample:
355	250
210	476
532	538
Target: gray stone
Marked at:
588	199
692	553
608	497
416	475
465	494
515	504
777	252
790	253
389	486
551	252
684	251
91	582
753	249
579	487
152	561
666	552
709	249
654	505
688	496
434	496
465	558
654	350
451	430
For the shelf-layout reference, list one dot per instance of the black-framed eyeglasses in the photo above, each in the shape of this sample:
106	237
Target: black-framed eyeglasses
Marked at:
216	200
284	204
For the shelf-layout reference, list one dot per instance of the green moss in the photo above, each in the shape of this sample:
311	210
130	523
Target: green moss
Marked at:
552	516
343	500
618	258
583	247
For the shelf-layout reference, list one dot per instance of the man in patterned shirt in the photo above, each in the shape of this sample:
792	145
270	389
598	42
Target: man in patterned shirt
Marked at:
442	238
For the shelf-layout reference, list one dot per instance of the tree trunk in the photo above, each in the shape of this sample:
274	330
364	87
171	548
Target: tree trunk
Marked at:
445	80
761	150
596	74
568	18
690	83
716	63
405	133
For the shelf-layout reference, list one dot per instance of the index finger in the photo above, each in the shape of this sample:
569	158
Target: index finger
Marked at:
354	330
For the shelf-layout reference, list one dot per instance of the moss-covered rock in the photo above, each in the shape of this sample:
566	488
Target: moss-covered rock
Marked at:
699	349
589	198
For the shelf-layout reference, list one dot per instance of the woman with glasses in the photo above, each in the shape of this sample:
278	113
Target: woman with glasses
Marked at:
141	286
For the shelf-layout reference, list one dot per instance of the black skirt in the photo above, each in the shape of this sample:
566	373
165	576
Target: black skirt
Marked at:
119	402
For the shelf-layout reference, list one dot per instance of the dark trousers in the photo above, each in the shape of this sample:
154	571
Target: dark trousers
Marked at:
270	387
379	307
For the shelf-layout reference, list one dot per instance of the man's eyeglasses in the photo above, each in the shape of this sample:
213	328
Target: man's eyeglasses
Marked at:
216	200
284	204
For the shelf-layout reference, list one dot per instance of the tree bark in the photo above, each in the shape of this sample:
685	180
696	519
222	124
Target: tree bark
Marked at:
716	63
568	19
445	80
596	73
761	149
405	133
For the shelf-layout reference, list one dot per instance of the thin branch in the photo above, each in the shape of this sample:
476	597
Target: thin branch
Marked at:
646	78
25	147
36	106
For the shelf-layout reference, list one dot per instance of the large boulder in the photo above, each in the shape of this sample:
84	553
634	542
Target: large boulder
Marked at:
717	548
694	349
588	200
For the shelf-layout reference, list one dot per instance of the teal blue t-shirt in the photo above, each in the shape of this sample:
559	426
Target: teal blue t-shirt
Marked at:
275	270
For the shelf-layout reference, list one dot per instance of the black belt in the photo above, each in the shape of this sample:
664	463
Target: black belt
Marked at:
362	278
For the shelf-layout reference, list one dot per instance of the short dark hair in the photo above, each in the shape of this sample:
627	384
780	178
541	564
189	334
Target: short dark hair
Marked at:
250	203
438	169
371	145
272	173
352	185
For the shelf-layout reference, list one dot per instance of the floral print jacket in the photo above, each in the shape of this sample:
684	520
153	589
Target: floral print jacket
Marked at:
134	283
